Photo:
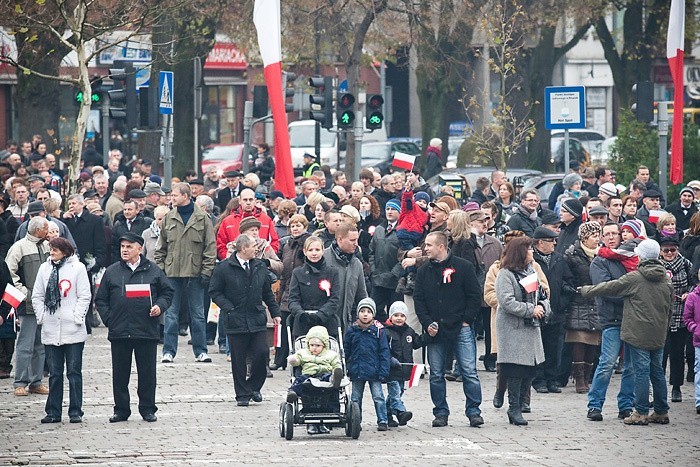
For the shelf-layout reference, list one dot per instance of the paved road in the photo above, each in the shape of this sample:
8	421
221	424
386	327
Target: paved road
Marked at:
199	424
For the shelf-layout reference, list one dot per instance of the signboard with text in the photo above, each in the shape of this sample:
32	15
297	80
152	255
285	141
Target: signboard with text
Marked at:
564	107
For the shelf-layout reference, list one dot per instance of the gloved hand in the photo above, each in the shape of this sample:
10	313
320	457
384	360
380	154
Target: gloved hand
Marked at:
395	363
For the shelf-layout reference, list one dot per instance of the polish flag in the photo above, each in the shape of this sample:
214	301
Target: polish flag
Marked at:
530	283
655	214
13	296
266	16
414	379
674	53
138	290
277	341
404	161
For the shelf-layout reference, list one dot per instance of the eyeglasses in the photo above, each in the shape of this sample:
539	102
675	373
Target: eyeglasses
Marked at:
548	240
611	234
669	250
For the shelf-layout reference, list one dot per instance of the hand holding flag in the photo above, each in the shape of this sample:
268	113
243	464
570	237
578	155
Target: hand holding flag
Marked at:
530	283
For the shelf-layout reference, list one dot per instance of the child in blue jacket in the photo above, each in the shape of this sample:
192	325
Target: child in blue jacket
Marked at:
367	352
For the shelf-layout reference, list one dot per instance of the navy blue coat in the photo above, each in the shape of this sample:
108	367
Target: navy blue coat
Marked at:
367	353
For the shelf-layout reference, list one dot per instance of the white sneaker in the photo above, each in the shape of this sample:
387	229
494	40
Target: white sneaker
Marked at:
167	358
203	358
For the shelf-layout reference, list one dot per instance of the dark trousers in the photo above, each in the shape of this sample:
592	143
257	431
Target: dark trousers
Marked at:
384	297
553	342
565	363
486	322
282	352
144	351
7	349
72	355
250	347
674	352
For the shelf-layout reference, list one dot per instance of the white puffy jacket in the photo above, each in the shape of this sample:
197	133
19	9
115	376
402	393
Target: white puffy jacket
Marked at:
67	324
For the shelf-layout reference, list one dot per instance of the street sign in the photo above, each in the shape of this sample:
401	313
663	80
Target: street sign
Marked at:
343	86
165	92
564	107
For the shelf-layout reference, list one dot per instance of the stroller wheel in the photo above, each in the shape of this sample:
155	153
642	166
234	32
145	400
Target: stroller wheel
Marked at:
355	421
289	422
348	419
283	407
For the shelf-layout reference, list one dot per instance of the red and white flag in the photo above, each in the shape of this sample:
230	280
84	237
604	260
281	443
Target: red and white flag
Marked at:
416	371
530	283
655	215
138	290
277	341
404	161
13	296
266	16
675	45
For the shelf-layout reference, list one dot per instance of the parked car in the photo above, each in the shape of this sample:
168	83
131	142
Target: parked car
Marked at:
381	154
543	183
223	157
577	152
589	139
471	174
603	151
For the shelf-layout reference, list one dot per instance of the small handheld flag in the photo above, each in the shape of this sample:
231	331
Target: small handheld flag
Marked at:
655	215
530	283
404	161
416	371
277	341
13	296
138	290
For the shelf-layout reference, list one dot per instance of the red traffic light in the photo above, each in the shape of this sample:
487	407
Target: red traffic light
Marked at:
375	101
346	100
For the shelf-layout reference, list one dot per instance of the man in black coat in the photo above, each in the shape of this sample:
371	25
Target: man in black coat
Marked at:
239	286
129	220
87	232
384	263
132	295
447	298
557	271
525	217
231	191
683	209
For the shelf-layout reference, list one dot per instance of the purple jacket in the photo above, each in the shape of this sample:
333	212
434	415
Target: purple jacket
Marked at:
691	315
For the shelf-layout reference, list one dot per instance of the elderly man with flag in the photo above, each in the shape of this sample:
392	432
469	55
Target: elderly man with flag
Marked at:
131	296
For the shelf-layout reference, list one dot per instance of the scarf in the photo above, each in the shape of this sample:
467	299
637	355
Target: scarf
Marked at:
530	215
532	296
588	252
155	230
436	150
53	292
346	257
541	256
679	269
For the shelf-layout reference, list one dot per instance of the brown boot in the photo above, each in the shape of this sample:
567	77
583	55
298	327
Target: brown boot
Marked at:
587	370
578	369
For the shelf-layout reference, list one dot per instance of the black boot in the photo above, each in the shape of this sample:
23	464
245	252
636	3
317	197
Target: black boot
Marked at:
515	416
525	395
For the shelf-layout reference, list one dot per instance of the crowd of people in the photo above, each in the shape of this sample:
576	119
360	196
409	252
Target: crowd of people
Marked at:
598	278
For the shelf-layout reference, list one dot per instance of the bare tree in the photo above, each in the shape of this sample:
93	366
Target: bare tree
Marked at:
85	28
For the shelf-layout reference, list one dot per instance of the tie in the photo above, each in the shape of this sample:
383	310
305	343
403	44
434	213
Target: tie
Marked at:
389	229
128	225
245	266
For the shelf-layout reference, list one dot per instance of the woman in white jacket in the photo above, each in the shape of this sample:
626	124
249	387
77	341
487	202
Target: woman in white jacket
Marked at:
60	297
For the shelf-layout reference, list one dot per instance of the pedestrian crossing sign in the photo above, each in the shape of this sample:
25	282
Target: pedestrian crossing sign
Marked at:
165	92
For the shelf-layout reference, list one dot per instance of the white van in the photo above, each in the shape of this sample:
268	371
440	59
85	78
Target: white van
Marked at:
301	140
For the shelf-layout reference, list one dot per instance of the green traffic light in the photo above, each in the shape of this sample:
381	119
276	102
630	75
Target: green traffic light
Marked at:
346	118
375	120
94	97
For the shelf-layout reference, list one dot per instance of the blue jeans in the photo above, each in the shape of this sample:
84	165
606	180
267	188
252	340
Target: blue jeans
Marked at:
194	291
464	348
72	355
697	376
394	391
647	364
375	388
609	350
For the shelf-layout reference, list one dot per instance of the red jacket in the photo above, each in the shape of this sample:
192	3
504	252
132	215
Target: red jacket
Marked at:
228	230
412	217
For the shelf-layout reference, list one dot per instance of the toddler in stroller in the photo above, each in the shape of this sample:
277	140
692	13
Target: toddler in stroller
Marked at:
317	360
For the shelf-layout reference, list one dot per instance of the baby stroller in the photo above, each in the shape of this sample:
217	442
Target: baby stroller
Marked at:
320	402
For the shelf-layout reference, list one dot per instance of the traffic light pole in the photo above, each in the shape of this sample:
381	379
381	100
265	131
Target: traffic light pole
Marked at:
248	124
359	131
104	111
662	119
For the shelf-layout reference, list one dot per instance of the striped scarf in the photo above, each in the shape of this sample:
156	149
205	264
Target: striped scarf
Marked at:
680	270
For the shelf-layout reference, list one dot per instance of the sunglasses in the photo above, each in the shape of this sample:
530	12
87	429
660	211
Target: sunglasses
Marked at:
669	250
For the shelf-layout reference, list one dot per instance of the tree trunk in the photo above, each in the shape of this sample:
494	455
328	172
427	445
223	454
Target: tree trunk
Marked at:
81	122
541	70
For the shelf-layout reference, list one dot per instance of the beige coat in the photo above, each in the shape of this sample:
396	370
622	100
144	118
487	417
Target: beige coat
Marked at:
492	301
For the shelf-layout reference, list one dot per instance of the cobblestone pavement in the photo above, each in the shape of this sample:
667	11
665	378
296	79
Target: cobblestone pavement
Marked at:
199	424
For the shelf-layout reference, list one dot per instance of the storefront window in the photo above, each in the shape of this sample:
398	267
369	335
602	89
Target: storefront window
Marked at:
219	118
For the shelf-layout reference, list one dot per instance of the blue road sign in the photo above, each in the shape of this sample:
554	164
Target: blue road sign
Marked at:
564	107
165	92
343	86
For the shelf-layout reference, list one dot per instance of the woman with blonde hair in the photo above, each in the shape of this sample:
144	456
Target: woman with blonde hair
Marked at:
285	210
357	189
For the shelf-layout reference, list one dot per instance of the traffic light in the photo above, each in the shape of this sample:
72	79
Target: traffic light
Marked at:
96	95
123	103
259	101
643	101
288	92
323	99
148	106
344	113
375	117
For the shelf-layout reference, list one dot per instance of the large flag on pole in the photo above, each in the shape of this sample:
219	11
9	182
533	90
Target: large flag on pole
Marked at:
266	16
674	52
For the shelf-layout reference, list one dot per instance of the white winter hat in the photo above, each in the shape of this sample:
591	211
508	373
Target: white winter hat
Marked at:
647	249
